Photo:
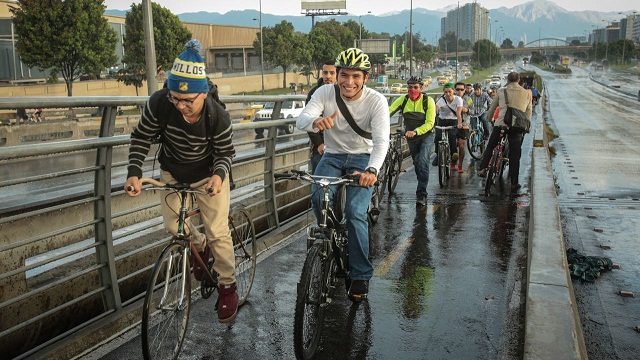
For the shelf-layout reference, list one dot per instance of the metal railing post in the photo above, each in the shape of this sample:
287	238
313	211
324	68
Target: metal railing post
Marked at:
269	166
102	212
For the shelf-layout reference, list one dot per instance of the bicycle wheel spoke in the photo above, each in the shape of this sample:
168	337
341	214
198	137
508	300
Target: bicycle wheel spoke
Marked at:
245	250
309	309
167	304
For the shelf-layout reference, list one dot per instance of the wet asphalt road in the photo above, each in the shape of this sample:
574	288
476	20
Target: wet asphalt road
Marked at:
448	284
597	170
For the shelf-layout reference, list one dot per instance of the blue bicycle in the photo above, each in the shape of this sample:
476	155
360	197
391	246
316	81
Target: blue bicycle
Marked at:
477	142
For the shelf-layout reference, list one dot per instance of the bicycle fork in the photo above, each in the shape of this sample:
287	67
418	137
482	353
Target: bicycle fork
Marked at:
180	305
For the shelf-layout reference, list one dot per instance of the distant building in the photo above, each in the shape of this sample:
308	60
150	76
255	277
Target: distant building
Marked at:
226	48
470	22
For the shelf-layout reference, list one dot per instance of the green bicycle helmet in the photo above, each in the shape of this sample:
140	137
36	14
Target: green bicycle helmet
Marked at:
353	58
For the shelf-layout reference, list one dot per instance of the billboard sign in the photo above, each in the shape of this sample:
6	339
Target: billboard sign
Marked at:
375	46
323	5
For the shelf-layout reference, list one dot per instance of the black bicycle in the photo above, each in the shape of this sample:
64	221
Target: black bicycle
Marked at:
373	213
499	161
167	303
444	155
394	159
327	260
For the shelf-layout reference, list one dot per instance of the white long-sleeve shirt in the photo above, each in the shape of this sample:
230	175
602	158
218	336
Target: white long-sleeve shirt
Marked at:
370	112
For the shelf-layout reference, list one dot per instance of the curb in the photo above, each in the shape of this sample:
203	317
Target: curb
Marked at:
552	324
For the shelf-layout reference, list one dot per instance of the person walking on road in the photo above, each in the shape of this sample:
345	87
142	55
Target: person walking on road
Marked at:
355	121
196	143
317	139
520	99
419	114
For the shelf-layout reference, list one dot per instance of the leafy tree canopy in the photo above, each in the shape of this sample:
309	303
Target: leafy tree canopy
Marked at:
70	37
169	35
283	47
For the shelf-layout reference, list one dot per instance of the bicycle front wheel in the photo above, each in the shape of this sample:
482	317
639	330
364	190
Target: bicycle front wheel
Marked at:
383	175
474	145
309	312
245	249
394	172
442	165
165	313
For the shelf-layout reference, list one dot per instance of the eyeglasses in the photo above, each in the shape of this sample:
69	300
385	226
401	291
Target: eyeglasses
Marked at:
460	89
186	102
413	87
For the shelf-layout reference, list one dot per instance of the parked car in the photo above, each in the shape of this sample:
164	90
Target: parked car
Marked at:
290	109
427	80
396	88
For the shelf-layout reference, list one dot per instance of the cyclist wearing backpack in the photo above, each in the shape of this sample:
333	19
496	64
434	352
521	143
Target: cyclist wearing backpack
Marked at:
419	113
481	103
196	143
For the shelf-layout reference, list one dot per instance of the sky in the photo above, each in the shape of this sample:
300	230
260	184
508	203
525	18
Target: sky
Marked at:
361	7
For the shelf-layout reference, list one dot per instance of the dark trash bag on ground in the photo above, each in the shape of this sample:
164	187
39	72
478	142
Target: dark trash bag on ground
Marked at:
586	267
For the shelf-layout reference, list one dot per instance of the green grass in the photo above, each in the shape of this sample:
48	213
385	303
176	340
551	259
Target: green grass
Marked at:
626	68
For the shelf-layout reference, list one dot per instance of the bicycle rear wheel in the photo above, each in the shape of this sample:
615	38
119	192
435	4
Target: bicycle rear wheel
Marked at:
245	249
309	311
394	172
475	144
495	165
167	303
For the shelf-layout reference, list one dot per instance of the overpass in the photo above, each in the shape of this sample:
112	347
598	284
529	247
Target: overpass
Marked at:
561	49
46	299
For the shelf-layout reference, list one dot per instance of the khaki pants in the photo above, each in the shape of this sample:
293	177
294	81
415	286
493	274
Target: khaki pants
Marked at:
214	211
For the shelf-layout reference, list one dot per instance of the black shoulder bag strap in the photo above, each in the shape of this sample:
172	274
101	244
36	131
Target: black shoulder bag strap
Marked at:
506	97
347	115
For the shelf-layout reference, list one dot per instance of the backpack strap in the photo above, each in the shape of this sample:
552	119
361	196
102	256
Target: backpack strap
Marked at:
425	104
347	115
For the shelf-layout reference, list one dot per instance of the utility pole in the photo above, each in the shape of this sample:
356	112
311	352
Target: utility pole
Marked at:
149	47
411	39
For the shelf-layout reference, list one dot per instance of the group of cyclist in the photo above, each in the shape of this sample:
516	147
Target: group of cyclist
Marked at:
350	127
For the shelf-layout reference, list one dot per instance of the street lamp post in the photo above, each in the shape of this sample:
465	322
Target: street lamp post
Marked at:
624	39
411	39
261	49
360	36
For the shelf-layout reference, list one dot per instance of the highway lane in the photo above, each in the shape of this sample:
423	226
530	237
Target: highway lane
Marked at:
596	170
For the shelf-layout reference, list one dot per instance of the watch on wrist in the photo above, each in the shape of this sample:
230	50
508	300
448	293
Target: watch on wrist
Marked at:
372	170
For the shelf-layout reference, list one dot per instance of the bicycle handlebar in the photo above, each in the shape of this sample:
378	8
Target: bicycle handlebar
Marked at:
351	180
176	186
445	127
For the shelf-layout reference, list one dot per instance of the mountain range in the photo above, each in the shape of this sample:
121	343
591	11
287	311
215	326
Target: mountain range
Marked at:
526	22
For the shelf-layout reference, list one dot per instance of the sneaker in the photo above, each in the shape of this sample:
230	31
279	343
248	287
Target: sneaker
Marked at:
227	305
435	161
358	290
197	270
515	187
460	169
454	157
482	173
421	201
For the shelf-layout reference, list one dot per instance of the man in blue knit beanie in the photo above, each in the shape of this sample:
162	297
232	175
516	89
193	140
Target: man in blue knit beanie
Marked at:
196	144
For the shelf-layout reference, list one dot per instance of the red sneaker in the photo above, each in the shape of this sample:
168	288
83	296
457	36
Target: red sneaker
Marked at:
227	305
197	270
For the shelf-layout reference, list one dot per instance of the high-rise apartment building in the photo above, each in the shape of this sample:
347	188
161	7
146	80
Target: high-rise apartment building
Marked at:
470	22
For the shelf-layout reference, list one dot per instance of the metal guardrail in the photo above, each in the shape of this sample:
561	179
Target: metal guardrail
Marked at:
74	260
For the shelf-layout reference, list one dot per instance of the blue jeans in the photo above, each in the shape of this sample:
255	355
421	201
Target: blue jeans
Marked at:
420	153
486	125
358	199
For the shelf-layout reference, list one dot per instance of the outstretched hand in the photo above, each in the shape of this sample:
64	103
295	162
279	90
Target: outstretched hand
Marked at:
325	122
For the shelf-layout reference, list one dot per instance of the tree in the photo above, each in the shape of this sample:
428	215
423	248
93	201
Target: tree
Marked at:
283	46
343	34
486	52
521	44
575	42
169	35
324	47
133	74
507	44
70	37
